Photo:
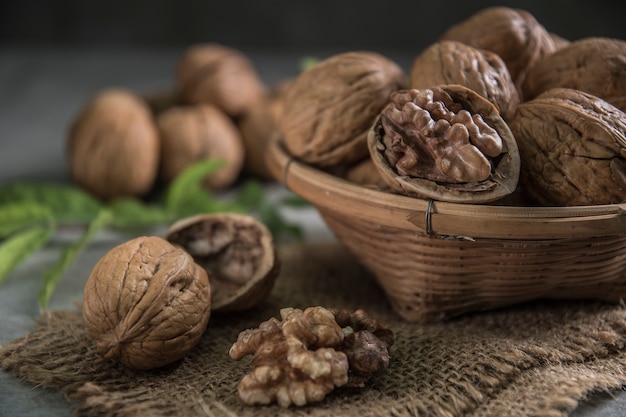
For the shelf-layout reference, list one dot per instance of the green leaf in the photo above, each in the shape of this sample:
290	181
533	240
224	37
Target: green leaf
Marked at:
131	213
17	216
186	195
53	274
20	245
279	227
67	203
294	201
251	195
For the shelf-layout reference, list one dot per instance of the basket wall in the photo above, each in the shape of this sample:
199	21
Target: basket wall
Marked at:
428	278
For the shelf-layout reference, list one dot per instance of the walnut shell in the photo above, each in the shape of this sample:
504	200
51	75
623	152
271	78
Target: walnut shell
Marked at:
451	62
514	34
113	146
237	252
219	75
146	303
594	65
573	149
447	143
258	126
330	107
192	133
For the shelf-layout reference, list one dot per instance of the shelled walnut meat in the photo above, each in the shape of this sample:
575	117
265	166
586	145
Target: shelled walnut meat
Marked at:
146	303
190	134
447	143
113	145
573	149
238	253
330	107
451	62
305	355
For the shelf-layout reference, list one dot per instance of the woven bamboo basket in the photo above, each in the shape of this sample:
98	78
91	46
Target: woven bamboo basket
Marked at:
435	259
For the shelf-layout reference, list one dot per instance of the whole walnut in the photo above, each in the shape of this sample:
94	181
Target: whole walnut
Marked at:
593	65
193	133
113	146
573	149
451	62
146	303
330	107
219	75
514	34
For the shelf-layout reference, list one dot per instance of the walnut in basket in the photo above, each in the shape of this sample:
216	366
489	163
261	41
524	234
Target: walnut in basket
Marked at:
573	149
446	143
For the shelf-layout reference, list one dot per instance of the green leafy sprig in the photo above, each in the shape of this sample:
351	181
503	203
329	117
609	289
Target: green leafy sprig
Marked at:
31	213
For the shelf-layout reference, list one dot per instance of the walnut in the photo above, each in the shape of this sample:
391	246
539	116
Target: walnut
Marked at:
146	303
451	62
304	356
238	253
216	74
258	126
446	143
192	133
573	149
514	34
113	146
594	65
330	107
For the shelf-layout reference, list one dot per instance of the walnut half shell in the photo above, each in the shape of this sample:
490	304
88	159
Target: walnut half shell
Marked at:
238	253
146	303
447	143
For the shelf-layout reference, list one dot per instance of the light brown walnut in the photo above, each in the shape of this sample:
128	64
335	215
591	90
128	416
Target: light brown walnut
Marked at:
113	145
146	303
330	107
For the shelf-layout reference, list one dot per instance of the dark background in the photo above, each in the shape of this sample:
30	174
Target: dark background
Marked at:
279	24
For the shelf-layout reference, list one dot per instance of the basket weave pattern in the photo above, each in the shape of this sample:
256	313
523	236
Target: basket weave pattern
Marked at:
436	260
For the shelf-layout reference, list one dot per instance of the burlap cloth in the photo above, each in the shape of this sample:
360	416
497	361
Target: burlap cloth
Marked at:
537	359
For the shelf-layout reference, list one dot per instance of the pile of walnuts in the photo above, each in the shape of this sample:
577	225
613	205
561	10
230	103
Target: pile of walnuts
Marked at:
498	109
122	144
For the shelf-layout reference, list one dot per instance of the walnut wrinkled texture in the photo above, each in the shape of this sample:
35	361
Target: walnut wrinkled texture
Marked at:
215	74
190	134
451	62
573	149
427	135
301	358
238	253
146	303
329	108
594	65
514	34
113	146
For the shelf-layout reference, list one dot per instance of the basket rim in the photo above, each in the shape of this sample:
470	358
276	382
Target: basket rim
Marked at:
331	193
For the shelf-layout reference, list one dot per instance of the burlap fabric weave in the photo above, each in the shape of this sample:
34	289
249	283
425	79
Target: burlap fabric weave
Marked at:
537	359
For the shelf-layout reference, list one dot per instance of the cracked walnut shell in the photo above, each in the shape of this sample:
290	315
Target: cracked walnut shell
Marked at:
447	143
146	303
329	108
238	253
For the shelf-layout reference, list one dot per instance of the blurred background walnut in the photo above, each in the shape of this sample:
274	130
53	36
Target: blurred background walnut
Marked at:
192	133
146	303
219	75
113	146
